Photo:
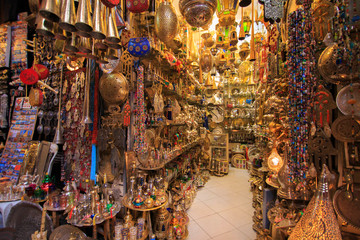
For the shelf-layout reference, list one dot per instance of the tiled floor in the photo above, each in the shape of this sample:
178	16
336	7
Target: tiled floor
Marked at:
222	210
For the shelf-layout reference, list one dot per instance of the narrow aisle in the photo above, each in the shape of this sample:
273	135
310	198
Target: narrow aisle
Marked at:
222	209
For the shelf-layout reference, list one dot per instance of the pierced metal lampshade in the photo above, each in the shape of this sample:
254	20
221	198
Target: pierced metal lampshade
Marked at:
226	11
319	221
198	13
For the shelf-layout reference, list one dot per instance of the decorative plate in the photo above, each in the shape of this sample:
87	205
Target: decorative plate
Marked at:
238	161
346	129
218	130
348	100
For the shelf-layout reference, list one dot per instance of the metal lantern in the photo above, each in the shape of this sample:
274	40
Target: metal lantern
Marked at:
206	61
166	22
226	11
233	35
198	13
319	220
244	50
246	24
114	88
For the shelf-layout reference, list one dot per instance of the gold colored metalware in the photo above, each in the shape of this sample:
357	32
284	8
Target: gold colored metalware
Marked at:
83	17
114	88
252	42
98	23
86	119
166	22
60	33
206	61
50	10
112	34
112	54
44	27
100	56
198	13
72	43
85	45
68	16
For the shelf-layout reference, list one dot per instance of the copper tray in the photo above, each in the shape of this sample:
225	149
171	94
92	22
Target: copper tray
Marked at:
66	232
25	218
348	211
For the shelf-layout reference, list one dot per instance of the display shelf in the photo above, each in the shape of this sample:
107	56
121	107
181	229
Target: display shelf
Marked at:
150	169
52	209
126	200
97	221
183	150
166	125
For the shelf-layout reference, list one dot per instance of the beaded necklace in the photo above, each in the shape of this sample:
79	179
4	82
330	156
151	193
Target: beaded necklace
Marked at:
300	63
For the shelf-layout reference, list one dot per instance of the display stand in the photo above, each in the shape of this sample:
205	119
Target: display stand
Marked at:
219	154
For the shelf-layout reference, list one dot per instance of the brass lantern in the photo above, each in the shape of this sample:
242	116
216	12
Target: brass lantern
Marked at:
244	50
319	220
246	24
233	35
166	22
226	11
220	36
206	61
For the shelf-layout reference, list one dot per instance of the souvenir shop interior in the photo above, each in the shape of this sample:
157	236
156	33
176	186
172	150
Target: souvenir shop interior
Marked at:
180	119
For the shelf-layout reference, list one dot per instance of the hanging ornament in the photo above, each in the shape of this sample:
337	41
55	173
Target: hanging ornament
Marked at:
114	88
197	13
274	10
136	6
226	11
166	22
206	61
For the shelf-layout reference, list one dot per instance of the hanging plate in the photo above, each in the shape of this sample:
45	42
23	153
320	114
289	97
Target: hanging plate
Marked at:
346	129
237	161
348	100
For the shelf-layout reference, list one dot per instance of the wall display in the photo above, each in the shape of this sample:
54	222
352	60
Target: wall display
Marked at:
4	41
18	46
168	97
20	134
77	147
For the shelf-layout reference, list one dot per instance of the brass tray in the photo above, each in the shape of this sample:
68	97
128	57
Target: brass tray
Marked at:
125	200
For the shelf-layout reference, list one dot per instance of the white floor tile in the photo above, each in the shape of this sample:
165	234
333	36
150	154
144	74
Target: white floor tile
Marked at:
236	217
232	235
214	225
205	194
222	209
222	189
247	208
219	204
248	231
199	210
196	232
